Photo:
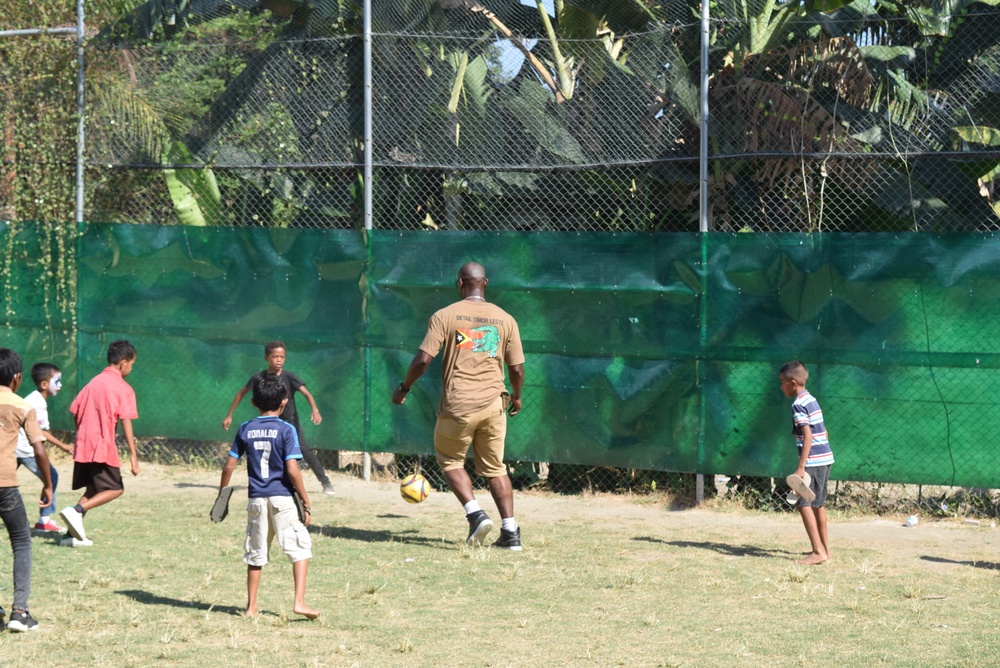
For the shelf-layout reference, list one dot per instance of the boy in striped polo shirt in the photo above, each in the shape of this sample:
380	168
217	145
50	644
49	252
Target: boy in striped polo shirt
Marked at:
815	456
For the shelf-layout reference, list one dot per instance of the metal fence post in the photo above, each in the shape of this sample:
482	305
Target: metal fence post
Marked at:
702	229
366	466
80	123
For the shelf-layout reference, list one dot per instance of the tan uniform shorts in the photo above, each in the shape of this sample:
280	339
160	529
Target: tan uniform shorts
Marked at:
485	431
275	517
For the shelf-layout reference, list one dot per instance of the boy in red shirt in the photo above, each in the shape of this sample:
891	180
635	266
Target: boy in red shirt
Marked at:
98	408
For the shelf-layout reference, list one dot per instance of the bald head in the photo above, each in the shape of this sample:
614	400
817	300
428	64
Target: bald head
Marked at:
472	271
472	280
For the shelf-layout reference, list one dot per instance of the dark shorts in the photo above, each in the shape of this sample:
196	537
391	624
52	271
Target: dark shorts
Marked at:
820	481
96	477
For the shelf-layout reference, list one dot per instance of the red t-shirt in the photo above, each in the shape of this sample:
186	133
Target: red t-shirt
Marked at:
100	404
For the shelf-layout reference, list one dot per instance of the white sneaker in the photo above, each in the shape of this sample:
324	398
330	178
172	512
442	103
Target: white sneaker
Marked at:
72	541
74	521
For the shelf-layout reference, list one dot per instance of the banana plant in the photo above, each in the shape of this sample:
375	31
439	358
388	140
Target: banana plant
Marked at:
299	127
836	76
195	192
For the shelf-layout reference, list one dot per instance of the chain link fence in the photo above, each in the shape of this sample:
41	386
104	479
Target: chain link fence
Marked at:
507	117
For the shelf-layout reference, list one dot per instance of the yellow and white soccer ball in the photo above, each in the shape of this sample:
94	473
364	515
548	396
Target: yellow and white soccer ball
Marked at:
414	488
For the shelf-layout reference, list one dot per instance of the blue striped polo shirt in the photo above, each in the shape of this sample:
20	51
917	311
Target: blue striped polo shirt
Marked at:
806	411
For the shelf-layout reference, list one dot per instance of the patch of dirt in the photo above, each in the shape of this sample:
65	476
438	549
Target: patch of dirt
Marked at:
935	543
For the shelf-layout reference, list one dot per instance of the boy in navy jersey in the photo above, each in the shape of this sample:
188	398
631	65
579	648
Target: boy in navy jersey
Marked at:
815	456
272	451
274	354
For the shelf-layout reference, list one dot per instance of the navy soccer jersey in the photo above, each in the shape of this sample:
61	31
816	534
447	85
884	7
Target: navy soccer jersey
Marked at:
268	442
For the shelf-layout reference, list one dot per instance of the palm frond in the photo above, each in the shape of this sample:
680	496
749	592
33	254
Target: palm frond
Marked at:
122	117
833	63
781	119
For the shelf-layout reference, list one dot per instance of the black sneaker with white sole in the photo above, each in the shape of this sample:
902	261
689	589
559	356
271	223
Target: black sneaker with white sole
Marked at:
21	622
509	540
480	524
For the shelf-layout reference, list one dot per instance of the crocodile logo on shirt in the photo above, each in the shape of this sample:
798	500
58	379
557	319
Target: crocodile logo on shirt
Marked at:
485	339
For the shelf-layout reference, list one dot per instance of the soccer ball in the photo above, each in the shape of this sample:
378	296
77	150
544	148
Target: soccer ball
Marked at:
414	488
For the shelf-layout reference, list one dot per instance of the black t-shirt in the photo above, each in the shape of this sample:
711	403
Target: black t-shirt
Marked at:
292	383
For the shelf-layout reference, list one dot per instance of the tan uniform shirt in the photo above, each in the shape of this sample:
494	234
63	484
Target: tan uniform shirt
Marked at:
15	414
478	337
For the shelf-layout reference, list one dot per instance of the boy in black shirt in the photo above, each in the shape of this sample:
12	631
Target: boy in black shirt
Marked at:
274	354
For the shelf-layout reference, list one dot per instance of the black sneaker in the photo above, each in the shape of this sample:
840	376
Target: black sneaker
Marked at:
509	540
21	622
480	524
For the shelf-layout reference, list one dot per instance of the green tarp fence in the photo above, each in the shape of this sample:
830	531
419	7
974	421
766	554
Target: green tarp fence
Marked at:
648	351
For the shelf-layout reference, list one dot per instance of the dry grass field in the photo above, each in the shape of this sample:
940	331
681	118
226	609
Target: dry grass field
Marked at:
603	581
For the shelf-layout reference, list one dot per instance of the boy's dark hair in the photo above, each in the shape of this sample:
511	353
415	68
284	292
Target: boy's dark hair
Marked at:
795	370
271	345
120	351
42	371
268	391
10	366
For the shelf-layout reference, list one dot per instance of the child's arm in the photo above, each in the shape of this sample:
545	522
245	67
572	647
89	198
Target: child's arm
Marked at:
130	440
315	417
228	420
56	442
42	458
227	471
295	476
807	442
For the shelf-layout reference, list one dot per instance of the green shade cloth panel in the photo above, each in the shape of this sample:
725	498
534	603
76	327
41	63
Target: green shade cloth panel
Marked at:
649	351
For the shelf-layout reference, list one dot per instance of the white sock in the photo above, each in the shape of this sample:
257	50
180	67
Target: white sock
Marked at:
44	519
472	506
508	524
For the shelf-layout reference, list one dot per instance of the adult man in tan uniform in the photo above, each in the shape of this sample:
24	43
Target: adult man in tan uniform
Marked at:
478	339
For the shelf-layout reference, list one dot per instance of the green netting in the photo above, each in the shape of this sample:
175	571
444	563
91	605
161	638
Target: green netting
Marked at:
200	303
35	306
606	323
629	366
643	351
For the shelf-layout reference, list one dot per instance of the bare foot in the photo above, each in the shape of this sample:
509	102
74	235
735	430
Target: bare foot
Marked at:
813	559
308	613
251	613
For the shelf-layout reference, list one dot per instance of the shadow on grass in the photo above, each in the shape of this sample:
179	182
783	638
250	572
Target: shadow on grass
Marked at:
988	565
187	485
721	548
409	536
153	599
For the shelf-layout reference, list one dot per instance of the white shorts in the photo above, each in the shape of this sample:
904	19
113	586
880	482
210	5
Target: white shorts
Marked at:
270	517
